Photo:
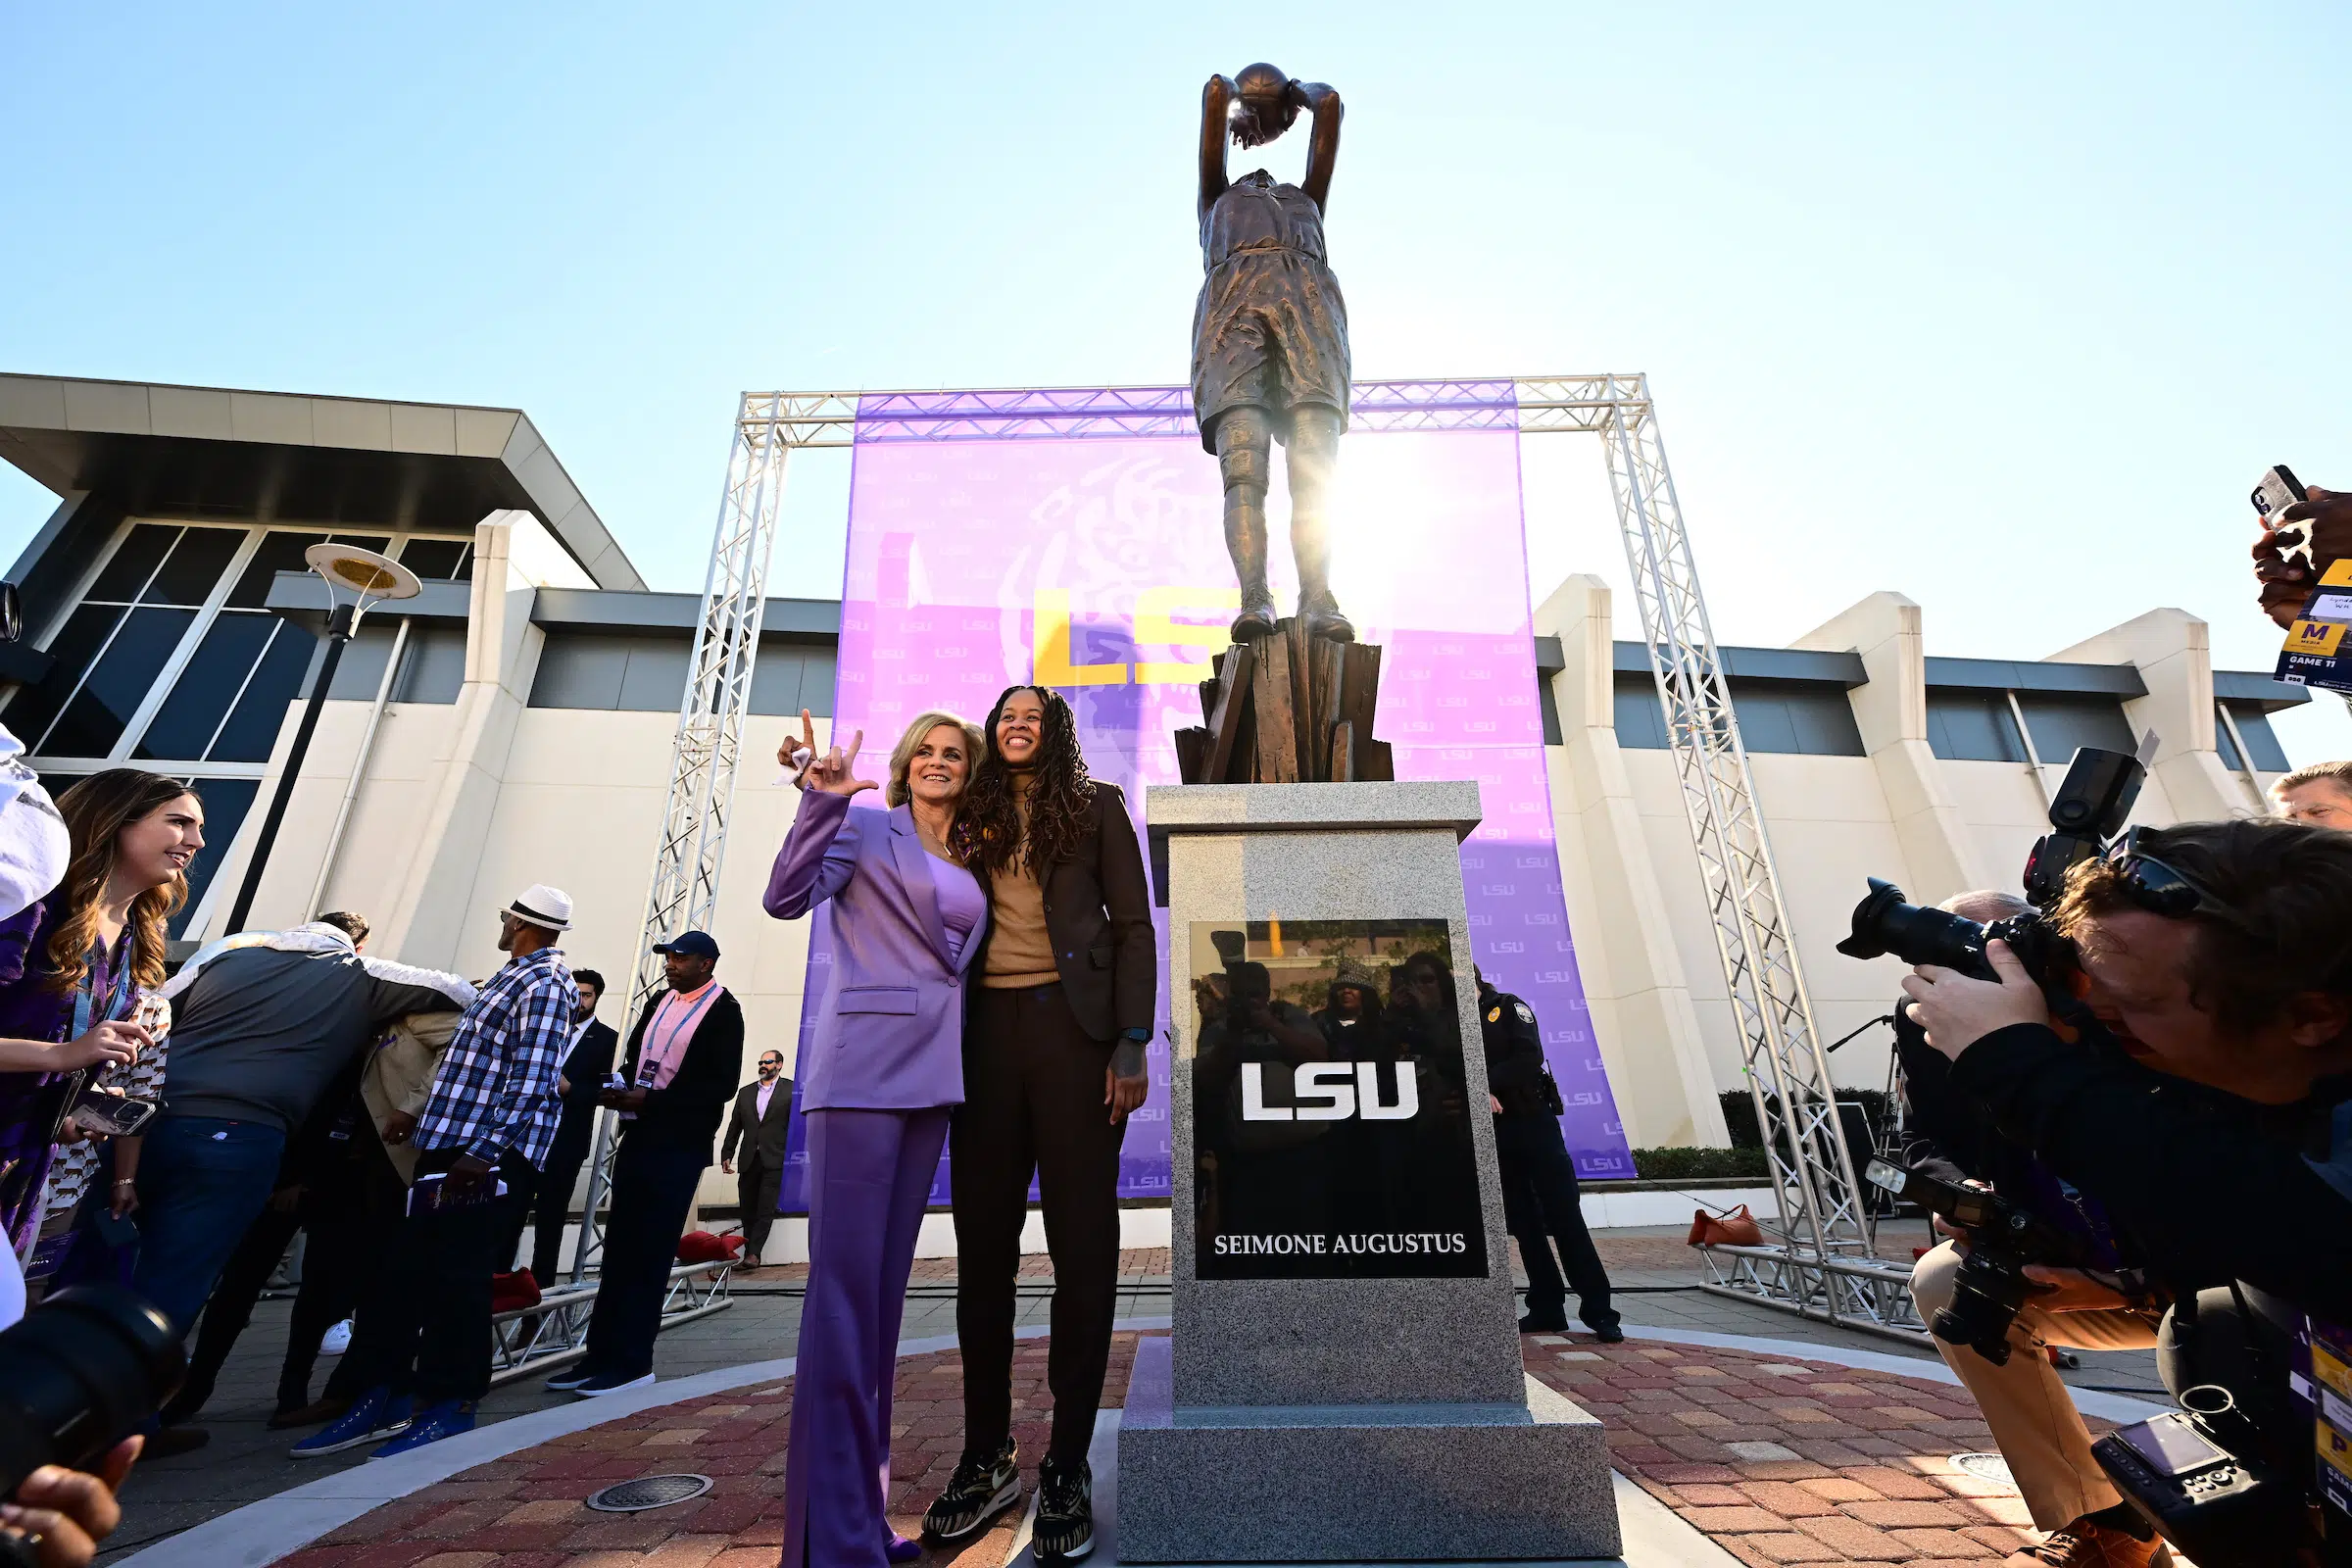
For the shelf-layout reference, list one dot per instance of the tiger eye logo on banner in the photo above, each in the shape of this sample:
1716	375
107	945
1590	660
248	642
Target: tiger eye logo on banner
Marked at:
1331	1134
1011	536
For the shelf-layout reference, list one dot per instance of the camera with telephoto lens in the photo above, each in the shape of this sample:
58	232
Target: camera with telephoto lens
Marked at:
1991	1284
79	1374
2085	815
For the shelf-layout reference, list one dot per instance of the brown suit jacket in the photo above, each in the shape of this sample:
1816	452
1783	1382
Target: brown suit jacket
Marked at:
1099	913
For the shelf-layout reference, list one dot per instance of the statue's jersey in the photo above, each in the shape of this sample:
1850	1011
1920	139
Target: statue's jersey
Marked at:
1271	327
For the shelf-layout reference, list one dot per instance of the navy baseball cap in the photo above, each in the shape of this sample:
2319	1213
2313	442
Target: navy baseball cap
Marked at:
690	943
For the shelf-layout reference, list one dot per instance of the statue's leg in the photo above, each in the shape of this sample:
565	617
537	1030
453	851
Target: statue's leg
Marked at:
1244	448
1314	453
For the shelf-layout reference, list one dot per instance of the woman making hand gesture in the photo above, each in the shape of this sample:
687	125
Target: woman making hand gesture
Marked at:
882	1072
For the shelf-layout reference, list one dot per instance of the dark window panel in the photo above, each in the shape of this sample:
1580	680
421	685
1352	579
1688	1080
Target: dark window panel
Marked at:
119	683
2061	725
433	667
2262	740
1796	717
816	682
435	560
1640	721
580	672
656	679
128	572
74	646
377	542
776	681
253	725
361	668
1765	723
1966	726
194	566
226	803
183	726
1553	735
279	551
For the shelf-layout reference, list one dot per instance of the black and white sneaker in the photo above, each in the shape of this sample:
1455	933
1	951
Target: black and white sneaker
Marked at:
976	1493
1066	1510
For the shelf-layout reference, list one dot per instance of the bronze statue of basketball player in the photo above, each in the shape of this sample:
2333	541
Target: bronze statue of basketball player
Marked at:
1270	338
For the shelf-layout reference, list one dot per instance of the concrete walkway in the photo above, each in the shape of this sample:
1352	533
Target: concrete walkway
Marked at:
1701	1374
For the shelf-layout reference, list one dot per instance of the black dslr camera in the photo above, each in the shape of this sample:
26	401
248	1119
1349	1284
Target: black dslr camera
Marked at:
2002	1239
77	1375
2086	812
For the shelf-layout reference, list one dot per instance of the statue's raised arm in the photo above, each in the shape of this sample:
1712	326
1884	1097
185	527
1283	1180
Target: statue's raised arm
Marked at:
1216	116
1323	147
1270	339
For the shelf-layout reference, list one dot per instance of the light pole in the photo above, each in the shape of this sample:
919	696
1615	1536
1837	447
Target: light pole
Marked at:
370	579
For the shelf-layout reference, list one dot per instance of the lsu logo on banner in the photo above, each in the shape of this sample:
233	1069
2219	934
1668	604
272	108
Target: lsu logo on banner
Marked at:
1155	626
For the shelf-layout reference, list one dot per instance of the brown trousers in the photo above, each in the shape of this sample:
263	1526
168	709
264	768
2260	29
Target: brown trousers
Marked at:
2026	1403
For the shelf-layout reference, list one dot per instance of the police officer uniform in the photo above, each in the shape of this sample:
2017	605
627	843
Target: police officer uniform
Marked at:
1539	1198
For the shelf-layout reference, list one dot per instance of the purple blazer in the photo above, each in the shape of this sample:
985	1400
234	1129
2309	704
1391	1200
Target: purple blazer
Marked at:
890	1035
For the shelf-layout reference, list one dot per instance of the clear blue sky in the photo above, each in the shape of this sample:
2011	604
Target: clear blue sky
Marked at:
2004	307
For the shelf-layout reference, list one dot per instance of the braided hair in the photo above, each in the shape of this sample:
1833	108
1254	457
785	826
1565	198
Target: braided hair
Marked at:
1059	801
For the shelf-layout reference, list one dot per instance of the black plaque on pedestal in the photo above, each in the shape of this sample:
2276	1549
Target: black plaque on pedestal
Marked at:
1331	1122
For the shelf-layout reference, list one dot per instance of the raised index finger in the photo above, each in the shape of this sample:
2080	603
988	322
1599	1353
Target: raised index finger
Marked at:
808	730
856	744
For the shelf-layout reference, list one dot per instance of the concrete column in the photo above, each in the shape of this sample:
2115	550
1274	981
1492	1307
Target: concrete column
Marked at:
1890	711
1635	989
2173	651
428	923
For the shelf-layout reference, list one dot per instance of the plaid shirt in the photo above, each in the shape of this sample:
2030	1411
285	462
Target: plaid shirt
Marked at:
495	1089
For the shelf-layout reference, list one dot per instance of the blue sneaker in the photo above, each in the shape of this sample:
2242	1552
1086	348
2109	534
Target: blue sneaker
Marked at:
375	1416
431	1424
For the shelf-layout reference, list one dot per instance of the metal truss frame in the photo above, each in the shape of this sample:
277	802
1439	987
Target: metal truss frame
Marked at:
1823	1219
555	1333
683	892
1821	1264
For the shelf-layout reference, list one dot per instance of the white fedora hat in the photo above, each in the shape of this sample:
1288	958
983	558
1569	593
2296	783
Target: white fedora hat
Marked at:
548	909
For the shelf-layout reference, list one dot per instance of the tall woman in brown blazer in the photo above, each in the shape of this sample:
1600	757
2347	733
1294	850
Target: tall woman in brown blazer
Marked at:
1053	1062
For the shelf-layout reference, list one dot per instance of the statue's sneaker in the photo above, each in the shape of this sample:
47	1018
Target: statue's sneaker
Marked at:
1324	621
1256	619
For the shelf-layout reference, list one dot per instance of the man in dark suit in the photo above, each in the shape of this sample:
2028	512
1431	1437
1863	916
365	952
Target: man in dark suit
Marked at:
765	1108
682	1063
578	1081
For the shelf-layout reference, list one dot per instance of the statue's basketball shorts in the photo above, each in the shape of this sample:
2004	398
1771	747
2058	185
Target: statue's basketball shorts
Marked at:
1270	331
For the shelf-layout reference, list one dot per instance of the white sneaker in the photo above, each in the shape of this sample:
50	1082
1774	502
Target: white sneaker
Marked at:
337	1339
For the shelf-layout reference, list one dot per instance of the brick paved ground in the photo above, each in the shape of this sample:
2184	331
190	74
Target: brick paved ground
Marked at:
1782	1461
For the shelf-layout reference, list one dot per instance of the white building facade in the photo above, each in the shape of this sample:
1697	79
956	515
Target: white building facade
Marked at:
523	733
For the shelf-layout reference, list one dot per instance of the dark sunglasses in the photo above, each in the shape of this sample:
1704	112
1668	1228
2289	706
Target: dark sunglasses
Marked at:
2160	888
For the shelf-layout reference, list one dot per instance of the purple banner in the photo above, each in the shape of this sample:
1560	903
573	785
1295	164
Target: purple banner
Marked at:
1073	538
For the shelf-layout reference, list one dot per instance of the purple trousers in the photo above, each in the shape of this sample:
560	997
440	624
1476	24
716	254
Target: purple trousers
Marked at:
869	1177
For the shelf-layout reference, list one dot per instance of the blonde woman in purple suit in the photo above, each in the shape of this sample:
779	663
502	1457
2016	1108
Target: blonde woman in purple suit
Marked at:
884	1068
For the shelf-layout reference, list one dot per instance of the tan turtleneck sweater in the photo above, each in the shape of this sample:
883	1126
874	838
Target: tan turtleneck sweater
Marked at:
1020	951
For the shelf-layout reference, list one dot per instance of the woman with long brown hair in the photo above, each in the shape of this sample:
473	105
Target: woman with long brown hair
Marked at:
73	967
1053	1062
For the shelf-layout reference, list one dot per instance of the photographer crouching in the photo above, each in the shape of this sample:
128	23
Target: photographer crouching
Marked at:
2032	1418
2220	956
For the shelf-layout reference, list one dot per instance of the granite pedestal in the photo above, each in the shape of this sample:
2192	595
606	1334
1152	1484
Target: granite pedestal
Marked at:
1369	1408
